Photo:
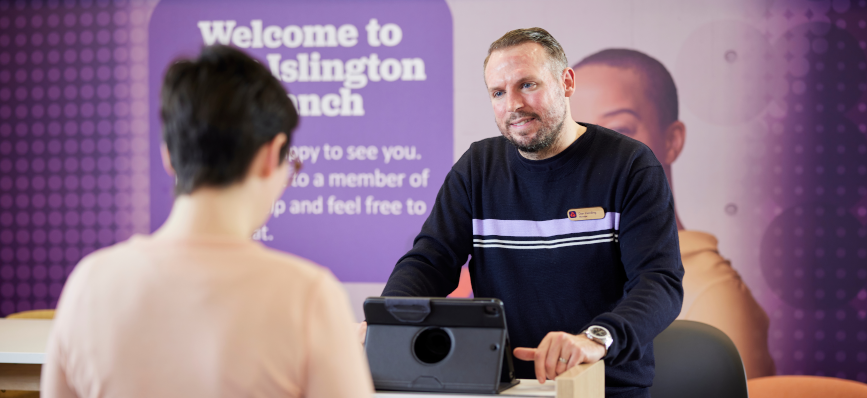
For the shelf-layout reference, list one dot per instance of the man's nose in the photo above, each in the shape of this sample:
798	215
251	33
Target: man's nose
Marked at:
514	101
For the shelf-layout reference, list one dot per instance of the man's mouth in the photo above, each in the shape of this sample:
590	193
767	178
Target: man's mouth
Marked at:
522	121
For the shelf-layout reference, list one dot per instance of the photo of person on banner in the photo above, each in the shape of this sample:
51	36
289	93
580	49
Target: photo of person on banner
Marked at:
634	94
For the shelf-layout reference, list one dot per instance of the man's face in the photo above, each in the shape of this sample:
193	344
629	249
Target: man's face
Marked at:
615	98
529	102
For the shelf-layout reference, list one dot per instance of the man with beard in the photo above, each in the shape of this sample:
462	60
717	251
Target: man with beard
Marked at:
570	224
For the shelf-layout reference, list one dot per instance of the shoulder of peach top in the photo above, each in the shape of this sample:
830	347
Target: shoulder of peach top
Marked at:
696	241
94	258
214	241
277	263
294	264
704	266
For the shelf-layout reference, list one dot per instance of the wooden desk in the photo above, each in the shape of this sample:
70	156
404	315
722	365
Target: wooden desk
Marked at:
22	352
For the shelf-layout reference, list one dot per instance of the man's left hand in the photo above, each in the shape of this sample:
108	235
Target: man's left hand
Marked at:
573	349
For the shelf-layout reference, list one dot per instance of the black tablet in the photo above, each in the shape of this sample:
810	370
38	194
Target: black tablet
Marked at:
438	344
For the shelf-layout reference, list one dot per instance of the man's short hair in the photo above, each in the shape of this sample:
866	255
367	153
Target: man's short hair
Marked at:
218	110
658	83
556	55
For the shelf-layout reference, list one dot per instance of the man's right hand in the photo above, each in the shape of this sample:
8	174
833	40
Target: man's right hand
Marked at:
559	352
362	332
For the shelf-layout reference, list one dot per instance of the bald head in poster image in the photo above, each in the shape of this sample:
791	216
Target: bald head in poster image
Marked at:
576	288
634	94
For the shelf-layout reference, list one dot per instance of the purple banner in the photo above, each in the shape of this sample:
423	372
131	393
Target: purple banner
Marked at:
373	85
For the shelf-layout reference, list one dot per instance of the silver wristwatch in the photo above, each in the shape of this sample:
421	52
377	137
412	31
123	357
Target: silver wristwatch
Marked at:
600	335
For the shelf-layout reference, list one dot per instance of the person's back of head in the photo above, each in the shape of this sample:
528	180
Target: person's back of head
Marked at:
218	110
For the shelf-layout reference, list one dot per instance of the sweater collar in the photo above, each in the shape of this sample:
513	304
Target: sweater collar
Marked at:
572	154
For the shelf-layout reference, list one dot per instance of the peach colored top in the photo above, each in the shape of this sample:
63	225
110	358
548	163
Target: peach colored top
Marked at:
158	317
715	294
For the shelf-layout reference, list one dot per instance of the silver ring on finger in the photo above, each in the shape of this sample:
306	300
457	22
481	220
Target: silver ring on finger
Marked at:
563	360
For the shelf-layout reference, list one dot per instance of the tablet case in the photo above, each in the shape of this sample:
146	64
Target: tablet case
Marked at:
438	345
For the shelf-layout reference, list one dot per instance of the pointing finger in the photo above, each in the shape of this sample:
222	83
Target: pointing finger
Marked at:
524	354
541	354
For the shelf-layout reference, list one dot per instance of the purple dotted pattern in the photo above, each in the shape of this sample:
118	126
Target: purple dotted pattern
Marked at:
73	164
73	139
814	169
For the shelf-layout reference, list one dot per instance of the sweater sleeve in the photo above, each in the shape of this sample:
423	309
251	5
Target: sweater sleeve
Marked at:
651	260
336	365
54	382
432	268
59	374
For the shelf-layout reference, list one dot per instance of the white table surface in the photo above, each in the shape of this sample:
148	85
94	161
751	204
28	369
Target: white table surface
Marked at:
24	340
526	388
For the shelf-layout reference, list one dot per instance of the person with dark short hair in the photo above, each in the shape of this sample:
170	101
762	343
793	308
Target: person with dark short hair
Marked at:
199	309
570	224
633	93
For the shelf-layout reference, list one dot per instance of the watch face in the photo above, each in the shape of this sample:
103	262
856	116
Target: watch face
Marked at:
599	332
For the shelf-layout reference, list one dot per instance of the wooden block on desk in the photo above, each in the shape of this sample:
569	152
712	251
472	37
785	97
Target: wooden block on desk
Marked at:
19	377
582	381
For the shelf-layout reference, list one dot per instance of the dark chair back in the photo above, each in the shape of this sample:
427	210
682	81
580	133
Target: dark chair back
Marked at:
696	360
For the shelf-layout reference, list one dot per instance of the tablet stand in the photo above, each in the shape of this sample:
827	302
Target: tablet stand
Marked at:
438	345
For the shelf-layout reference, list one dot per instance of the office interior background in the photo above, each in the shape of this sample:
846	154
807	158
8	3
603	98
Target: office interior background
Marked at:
772	94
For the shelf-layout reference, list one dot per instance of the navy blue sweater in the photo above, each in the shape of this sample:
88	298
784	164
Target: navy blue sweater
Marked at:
622	272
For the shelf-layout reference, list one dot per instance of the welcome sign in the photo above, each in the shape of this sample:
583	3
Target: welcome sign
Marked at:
373	85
